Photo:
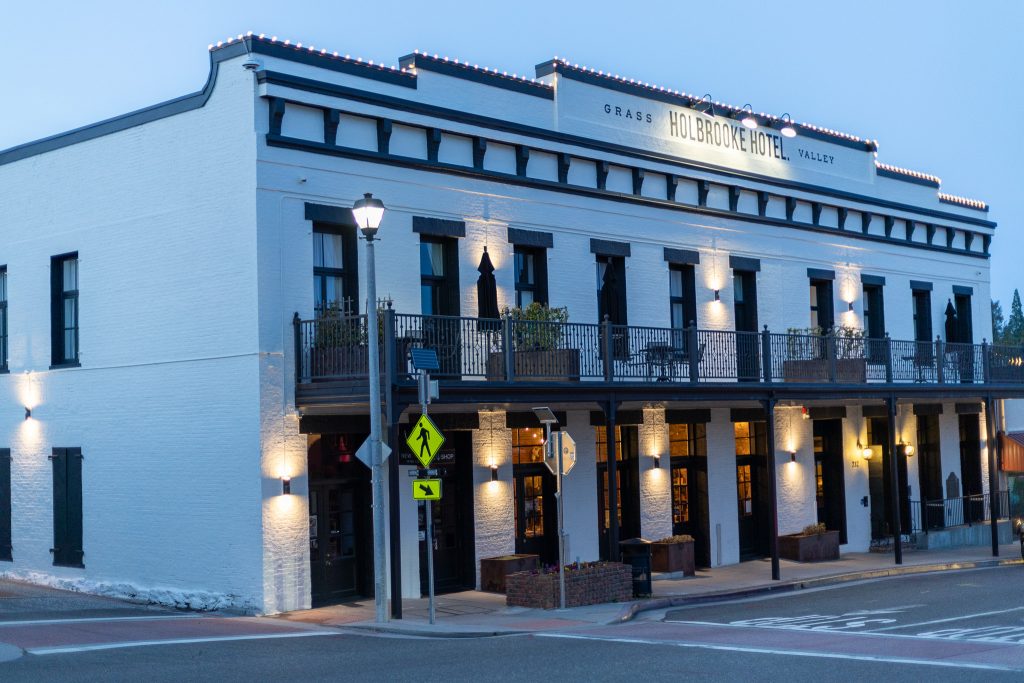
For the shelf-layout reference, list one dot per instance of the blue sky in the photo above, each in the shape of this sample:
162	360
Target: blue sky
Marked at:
938	83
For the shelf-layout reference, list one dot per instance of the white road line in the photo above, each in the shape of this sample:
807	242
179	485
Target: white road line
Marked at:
178	641
861	634
949	619
789	653
84	620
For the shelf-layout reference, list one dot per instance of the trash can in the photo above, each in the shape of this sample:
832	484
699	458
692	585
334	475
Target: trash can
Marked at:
636	552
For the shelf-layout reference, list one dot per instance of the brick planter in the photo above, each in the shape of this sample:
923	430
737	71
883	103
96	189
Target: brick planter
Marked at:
590	584
673	557
810	548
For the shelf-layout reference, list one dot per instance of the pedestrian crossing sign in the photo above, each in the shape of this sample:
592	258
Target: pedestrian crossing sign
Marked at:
425	440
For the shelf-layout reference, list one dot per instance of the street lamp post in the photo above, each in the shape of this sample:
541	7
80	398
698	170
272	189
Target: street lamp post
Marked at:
368	213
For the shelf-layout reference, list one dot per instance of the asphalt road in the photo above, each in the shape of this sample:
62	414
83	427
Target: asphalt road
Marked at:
954	626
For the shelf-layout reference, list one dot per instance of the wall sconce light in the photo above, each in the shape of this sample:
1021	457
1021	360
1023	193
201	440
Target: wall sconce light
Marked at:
494	472
747	117
787	130
849	306
792	456
908	449
657	461
717	296
705	104
286	486
865	451
28	412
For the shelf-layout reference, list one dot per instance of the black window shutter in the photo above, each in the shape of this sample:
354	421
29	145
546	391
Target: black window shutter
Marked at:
75	552
5	504
60	506
56	312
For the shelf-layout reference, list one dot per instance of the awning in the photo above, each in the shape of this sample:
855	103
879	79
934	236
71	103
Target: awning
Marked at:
1012	445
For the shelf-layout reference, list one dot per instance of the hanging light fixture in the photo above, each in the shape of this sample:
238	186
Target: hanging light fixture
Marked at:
705	105
787	130
908	449
865	451
747	117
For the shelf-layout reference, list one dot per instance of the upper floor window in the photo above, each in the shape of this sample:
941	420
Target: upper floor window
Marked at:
3	318
822	311
922	315
682	295
64	309
439	275
611	289
335	281
531	267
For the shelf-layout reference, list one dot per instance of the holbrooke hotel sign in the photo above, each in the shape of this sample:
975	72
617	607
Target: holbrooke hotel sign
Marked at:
689	134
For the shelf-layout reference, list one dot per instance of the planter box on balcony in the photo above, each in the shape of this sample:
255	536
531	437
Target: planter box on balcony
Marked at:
673	557
495	570
810	548
848	370
339	361
555	365
588	584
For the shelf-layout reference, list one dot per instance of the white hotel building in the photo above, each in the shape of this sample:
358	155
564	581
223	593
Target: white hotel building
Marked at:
163	370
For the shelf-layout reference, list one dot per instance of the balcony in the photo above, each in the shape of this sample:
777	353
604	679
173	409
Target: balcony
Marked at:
506	352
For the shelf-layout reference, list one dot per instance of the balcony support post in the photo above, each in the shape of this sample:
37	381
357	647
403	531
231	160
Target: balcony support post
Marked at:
986	364
773	503
993	475
606	349
506	348
940	361
888	359
830	353
693	346
766	354
297	339
611	449
894	477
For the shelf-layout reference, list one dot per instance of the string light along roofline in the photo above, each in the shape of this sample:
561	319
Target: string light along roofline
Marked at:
688	99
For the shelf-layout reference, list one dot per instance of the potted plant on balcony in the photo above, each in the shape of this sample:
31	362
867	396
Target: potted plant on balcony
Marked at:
537	342
340	343
674	554
810	352
814	543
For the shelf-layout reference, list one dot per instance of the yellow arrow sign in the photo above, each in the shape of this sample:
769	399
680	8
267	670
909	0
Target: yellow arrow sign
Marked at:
426	489
425	440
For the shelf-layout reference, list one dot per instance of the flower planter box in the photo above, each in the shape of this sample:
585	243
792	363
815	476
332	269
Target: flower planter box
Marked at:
673	557
589	584
495	570
554	365
810	548
340	361
848	370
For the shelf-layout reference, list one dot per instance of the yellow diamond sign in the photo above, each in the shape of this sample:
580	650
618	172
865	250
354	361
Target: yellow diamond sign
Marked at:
426	489
425	440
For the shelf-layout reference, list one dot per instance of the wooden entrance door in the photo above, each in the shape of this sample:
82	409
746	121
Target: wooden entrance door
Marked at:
830	486
752	489
536	512
627	487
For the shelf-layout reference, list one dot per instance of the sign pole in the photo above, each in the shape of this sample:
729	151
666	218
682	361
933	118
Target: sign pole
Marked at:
425	398
561	533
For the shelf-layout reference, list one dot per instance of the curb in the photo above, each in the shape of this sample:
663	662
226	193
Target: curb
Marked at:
429	633
630	612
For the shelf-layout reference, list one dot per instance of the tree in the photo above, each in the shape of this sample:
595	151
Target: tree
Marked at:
1014	330
998	322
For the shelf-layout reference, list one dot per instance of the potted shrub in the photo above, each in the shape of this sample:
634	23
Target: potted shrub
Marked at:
814	544
537	340
810	351
674	554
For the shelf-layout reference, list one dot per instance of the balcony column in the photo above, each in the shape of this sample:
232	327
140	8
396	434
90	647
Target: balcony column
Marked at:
993	475
773	503
610	410
392	412
894	477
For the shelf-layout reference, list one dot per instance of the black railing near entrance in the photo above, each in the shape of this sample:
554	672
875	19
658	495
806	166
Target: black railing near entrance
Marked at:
508	350
932	515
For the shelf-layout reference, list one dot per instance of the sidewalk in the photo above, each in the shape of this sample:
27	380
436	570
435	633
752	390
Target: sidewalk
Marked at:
477	614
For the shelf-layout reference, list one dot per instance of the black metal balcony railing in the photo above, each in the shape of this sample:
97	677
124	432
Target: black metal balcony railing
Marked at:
474	349
932	515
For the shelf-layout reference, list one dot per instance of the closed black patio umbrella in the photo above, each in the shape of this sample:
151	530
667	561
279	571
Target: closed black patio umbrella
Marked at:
487	295
951	322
